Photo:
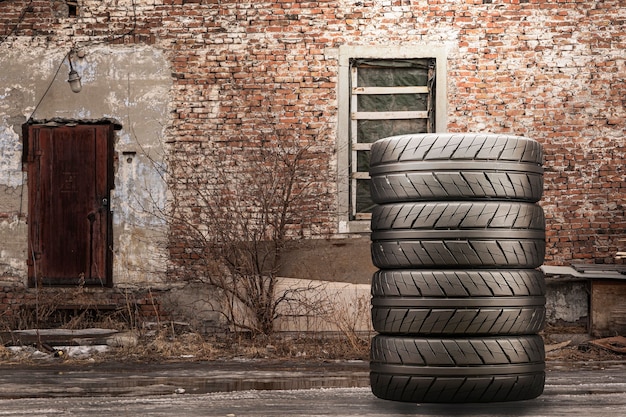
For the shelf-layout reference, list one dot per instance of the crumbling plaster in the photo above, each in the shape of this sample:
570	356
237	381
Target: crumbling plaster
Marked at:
127	84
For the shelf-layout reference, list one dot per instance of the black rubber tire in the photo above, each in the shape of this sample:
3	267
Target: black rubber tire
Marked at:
458	316
458	283
458	234
478	215
457	147
486	302
456	166
458	370
458	249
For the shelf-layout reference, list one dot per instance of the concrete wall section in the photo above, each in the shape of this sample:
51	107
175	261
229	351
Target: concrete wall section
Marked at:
127	84
567	302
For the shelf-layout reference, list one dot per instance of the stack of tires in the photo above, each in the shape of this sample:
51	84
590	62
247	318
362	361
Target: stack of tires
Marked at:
457	236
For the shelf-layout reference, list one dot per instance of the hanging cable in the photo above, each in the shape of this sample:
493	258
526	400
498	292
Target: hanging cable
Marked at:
49	85
25	10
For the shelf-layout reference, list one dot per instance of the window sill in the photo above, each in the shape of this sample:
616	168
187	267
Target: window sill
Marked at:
355	226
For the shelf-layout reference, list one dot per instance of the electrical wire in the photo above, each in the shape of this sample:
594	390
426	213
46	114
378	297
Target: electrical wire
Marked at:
110	39
66	56
26	8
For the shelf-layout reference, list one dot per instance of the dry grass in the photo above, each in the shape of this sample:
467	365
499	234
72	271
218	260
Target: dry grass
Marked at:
163	346
167	344
172	341
4	353
188	345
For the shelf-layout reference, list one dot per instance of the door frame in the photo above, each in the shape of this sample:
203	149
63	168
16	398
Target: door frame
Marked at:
29	158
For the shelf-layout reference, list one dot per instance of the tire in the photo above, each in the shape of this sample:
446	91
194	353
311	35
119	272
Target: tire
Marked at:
510	216
445	370
458	283
455	166
458	316
457	147
450	302
458	249
458	234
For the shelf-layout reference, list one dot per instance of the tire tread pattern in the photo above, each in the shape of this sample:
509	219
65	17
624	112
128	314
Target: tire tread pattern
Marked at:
468	253
455	185
458	283
464	356
456	146
477	321
435	184
458	216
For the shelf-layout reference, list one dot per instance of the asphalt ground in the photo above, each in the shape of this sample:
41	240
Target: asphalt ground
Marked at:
261	388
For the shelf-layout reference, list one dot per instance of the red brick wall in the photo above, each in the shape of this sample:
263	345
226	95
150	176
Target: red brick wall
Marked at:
553	71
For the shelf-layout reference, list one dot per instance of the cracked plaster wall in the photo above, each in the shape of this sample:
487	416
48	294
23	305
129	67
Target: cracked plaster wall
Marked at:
126	84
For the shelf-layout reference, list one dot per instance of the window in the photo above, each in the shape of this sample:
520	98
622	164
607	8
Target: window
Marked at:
382	92
72	8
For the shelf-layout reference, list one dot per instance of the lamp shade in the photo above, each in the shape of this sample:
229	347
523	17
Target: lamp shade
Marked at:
74	80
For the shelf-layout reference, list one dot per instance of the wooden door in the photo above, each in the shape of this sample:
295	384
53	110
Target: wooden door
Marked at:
69	181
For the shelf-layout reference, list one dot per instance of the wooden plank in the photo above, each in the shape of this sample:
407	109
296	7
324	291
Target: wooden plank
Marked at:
362	146
55	336
599	267
361	175
615	344
35	203
606	297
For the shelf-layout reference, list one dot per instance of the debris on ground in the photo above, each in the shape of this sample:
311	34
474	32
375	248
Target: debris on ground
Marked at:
615	344
170	343
173	344
557	346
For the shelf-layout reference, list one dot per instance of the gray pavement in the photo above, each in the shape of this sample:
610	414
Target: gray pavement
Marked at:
267	389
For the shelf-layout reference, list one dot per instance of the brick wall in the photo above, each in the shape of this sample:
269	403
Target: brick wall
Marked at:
554	71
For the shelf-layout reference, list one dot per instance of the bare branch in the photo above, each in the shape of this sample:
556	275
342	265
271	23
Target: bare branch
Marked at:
233	212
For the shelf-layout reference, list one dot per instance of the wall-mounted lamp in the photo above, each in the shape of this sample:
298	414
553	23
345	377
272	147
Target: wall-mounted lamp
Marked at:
73	78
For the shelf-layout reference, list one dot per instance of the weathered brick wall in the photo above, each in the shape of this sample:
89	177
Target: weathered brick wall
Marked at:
554	72
549	70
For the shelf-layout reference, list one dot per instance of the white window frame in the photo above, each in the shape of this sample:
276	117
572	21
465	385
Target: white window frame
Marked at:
344	97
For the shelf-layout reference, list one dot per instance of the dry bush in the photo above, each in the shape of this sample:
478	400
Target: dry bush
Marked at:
350	319
232	213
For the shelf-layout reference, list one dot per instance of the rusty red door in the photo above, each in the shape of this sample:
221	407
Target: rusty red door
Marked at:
69	182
